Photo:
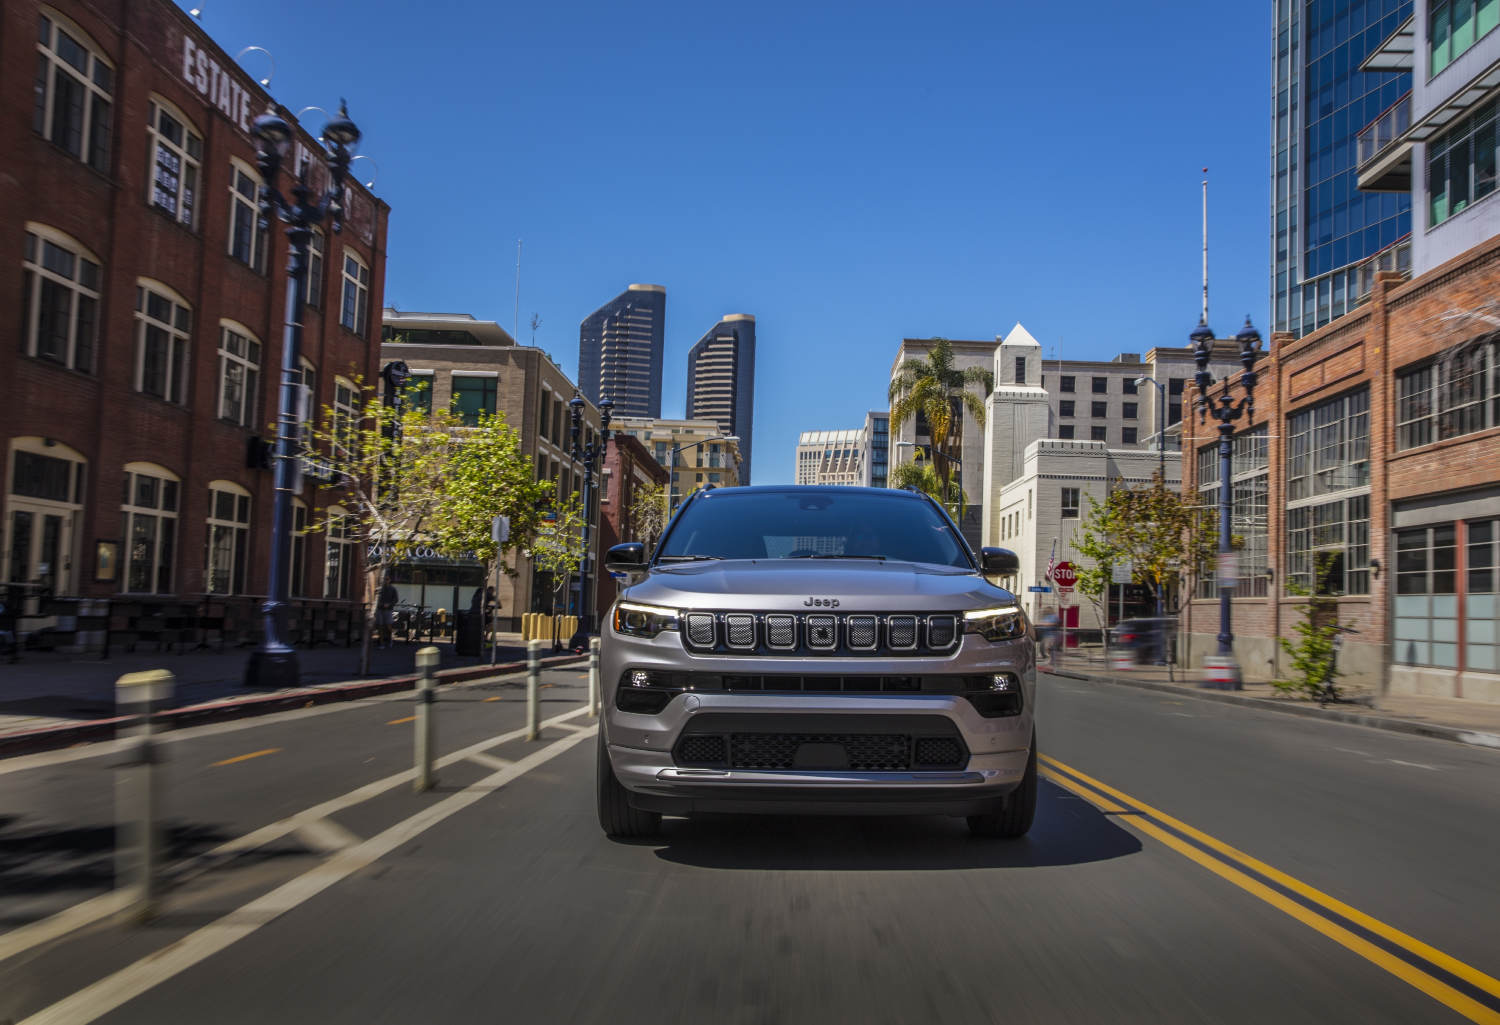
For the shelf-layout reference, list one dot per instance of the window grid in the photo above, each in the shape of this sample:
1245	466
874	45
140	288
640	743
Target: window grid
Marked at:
356	295
74	95
314	290
1070	503
149	505
473	397
239	376
1457	395
163	326
338	573
247	239
1453	26
61	296
228	540
176	155
1328	447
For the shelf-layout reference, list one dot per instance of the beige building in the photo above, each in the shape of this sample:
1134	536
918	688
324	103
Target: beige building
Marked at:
831	457
475	366
703	455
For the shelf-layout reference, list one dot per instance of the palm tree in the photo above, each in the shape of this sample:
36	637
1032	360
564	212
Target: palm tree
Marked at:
938	390
919	474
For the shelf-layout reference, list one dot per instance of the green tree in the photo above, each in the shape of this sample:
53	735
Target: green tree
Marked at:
1163	537
941	392
920	474
557	548
647	514
488	476
1315	652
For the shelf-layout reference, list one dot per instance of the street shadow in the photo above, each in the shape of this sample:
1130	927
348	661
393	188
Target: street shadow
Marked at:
62	706
1067	831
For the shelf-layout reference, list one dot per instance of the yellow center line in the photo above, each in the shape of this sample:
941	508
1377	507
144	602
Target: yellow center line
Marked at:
1408	973
497	697
398	722
245	758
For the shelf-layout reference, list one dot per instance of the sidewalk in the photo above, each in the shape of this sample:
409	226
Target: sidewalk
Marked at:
50	689
1469	722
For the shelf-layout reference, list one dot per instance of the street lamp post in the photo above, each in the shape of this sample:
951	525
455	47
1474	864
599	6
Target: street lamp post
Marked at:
587	453
1161	458
678	450
274	663
1226	410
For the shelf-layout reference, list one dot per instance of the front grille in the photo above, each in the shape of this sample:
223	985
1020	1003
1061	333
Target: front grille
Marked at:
821	633
661	685
855	752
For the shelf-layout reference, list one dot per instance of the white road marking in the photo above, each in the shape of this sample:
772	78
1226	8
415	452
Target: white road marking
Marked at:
489	761
1352	751
325	836
97	1000
1414	765
574	727
87	912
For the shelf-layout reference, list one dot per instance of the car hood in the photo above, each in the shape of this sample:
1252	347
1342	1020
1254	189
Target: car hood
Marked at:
796	585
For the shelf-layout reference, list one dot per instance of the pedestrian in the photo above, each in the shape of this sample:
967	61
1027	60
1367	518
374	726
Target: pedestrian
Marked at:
385	612
1048	634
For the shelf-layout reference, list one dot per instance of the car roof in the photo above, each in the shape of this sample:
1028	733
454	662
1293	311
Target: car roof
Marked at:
826	489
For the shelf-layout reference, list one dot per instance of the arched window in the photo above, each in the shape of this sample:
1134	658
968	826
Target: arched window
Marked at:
228	537
247	239
149	526
297	577
74	91
60	297
163	324
314	293
338	578
356	305
43	513
176	157
346	416
239	374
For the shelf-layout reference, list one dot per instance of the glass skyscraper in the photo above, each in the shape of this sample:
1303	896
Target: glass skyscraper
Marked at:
721	381
1327	237
620	350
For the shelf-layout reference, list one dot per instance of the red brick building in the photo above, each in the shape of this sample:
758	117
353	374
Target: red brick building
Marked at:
628	468
146	311
1372	472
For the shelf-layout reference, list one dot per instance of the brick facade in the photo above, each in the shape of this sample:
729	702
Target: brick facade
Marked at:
628	467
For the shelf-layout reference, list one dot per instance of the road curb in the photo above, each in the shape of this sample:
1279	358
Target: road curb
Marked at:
1474	738
50	738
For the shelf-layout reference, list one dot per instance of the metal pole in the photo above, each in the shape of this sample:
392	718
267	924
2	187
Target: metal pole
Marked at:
1226	447
495	616
138	839
426	739
533	673
593	677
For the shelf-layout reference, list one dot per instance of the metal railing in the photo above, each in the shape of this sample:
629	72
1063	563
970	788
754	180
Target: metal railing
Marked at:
1383	131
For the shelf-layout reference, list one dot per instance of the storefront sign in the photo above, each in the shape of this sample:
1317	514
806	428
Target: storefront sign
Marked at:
215	83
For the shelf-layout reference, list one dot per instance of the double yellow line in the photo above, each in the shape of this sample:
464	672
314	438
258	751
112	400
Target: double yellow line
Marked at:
1313	908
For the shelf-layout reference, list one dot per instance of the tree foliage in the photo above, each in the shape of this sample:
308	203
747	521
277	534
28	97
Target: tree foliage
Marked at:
1315	652
647	514
921	474
1164	538
557	548
940	391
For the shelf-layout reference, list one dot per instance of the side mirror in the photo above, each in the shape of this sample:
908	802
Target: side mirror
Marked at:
998	562
628	558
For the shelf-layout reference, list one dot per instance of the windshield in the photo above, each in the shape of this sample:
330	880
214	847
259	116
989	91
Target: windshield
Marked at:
812	524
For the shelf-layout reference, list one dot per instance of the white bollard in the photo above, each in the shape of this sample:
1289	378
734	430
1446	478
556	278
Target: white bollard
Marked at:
427	661
593	677
533	674
138	835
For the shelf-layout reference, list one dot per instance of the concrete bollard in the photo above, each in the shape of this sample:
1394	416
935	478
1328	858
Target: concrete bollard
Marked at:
426	740
138	833
593	677
533	681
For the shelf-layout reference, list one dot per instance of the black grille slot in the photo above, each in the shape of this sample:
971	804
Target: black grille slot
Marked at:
941	752
865	752
941	631
739	630
700	629
781	631
700	750
822	633
901	632
860	632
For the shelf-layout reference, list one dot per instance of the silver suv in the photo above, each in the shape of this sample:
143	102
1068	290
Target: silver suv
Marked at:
816	649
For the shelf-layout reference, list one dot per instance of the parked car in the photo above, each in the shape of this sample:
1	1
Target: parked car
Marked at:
1150	639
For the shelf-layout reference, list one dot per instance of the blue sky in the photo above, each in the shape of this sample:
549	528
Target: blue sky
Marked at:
849	174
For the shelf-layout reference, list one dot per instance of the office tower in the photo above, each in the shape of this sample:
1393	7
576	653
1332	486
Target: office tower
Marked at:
620	349
831	457
721	381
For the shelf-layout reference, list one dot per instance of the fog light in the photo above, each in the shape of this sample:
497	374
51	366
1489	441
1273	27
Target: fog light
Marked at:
640	678
1002	682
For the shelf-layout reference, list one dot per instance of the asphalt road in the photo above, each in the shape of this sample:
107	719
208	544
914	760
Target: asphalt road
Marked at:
1191	861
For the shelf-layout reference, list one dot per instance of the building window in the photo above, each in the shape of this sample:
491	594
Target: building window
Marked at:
1020	369
149	508
338	577
1067	383
1128	410
228	538
1098	432
297	575
163	323
346	416
473	396
1065	407
239	374
1128	435
1456	395
1461	165
1426	628
247	239
1328	546
74	92
1174	386
1249	523
1101	386
1455	25
1174	413
43	513
419	391
61	296
1482	600
1070	503
356	305
1065	432
314	291
1099	409
176	154
1328	447
1128	385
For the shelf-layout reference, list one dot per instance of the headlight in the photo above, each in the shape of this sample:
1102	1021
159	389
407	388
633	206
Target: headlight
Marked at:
1005	623
643	620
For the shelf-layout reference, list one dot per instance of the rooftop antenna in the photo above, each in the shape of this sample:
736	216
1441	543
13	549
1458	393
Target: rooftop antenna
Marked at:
1205	245
516	323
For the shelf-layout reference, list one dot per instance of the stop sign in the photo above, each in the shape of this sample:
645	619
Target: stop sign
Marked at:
1063	576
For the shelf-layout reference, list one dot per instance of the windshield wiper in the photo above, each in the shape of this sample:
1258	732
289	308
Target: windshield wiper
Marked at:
820	555
689	558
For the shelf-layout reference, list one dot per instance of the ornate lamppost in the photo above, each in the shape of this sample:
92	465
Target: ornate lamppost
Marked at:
1222	671
274	663
587	454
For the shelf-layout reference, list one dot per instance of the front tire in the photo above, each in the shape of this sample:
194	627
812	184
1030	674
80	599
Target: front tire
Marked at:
1015	818
616	817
